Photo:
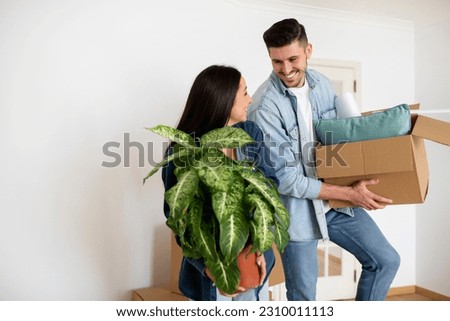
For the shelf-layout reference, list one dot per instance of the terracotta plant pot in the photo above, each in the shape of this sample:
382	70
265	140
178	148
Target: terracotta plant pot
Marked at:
249	270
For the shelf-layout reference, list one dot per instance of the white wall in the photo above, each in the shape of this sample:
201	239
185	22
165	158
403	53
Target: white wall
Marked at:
78	74
432	79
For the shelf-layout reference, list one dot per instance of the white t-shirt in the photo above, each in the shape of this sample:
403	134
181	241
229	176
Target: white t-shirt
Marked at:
305	110
304	107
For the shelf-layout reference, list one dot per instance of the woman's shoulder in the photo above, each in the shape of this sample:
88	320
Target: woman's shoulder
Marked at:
250	127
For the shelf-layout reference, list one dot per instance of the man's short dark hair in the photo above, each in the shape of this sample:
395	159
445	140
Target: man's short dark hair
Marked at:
285	32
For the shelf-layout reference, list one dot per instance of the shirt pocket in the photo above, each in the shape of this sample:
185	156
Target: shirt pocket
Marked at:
293	132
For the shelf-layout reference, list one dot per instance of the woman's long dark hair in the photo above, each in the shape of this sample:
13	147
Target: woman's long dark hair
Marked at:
210	100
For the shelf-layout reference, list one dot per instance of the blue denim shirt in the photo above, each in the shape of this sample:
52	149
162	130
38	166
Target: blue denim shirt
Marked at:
193	282
274	109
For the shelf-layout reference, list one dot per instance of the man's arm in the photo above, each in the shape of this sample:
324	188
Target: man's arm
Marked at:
358	194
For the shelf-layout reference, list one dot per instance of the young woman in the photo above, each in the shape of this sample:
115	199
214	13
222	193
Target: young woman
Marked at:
219	98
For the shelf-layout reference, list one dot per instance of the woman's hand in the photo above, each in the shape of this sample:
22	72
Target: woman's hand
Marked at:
261	262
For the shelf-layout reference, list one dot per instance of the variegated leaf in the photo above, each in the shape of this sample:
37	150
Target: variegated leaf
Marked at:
281	216
261	223
226	276
281	237
234	233
202	229
180	228
223	202
218	178
262	184
226	137
212	157
219	203
174	134
180	195
180	154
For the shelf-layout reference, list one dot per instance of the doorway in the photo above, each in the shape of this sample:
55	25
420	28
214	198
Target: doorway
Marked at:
338	269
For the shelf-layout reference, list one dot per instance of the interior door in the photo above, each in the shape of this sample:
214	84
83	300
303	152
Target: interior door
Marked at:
337	267
344	75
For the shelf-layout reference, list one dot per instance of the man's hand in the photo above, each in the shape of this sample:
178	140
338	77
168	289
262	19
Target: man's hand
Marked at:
362	197
358	194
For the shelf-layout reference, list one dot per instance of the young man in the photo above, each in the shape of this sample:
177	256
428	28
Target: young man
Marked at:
284	106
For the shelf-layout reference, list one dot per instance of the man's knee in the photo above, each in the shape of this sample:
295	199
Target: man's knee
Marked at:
394	260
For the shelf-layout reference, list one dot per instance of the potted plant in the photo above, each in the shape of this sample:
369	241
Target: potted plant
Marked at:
246	205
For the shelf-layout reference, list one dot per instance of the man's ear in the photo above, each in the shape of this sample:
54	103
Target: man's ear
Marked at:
308	50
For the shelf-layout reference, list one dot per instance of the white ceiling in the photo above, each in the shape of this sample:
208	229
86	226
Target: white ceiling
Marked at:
419	11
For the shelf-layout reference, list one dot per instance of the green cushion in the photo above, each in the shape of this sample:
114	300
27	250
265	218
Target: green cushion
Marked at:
395	121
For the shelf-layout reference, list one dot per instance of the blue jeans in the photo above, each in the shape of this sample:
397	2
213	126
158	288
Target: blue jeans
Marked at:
358	235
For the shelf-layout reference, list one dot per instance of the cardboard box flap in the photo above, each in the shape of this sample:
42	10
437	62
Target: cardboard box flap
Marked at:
432	129
365	158
370	112
415	106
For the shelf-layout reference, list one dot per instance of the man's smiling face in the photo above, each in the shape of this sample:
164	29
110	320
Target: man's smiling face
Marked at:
290	62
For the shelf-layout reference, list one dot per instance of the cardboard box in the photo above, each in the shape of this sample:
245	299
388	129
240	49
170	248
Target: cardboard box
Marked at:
157	294
400	163
162	294
277	274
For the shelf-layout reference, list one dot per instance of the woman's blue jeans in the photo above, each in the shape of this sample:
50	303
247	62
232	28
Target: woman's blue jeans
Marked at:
358	235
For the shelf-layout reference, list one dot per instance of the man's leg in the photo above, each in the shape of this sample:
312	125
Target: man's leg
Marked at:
300	270
361	236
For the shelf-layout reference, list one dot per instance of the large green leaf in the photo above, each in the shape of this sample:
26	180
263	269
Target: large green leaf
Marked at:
178	226
187	238
226	137
226	276
217	178
186	156
281	236
181	194
212	157
202	228
229	211
229	200
261	223
234	233
220	205
174	134
180	154
267	190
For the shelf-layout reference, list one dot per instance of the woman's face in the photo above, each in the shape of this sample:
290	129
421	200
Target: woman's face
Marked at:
241	103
